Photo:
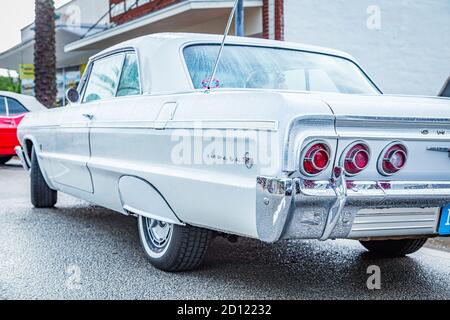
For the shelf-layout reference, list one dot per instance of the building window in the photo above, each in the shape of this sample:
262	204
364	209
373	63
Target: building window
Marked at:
66	78
117	9
130	4
126	10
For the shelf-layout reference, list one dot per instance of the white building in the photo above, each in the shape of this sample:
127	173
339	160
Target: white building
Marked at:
403	44
74	20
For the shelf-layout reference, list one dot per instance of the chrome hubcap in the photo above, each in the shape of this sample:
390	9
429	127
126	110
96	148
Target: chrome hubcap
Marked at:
158	234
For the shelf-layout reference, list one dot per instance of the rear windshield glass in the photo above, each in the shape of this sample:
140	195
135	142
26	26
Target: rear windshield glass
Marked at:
274	68
15	107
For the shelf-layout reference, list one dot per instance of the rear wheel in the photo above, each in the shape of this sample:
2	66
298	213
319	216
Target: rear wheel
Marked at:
41	194
171	247
394	248
4	160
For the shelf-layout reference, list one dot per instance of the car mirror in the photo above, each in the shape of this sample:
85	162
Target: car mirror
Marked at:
72	95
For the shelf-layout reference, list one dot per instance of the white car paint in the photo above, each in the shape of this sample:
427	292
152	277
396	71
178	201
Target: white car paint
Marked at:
28	102
132	137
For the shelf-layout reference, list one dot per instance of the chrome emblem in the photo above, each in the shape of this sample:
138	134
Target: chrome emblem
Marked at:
439	132
440	149
249	162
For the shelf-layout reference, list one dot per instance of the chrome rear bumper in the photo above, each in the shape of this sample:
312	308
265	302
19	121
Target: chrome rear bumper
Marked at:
343	209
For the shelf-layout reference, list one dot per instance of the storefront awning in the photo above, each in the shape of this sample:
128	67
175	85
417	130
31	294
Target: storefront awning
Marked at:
203	16
23	53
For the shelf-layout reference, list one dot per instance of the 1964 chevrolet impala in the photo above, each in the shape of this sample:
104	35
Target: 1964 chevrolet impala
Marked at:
286	141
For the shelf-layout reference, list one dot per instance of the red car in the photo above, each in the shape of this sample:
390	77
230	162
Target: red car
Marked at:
13	107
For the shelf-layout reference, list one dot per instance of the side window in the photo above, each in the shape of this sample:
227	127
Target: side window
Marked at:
104	78
2	106
15	107
129	83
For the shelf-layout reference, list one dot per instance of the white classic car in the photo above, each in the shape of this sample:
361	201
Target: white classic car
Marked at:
286	141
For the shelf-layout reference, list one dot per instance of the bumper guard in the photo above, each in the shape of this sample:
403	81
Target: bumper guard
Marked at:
303	209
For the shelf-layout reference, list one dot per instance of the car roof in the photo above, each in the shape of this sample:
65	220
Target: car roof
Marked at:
162	68
29	102
183	38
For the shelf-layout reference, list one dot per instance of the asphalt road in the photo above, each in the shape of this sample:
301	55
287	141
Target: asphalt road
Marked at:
80	251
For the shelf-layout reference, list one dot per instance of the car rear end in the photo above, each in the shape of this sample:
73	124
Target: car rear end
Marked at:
383	174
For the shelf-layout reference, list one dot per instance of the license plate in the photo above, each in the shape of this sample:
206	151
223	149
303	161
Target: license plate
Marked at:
444	224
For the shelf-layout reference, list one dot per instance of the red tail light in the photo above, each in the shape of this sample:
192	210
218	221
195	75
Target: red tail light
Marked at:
356	158
393	159
315	159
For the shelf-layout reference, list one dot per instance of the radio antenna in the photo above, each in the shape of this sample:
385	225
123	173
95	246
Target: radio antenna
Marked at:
219	56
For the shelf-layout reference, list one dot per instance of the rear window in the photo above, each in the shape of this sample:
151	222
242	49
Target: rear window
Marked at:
15	107
275	68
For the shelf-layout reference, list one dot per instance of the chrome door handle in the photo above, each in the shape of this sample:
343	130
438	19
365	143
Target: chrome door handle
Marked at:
89	116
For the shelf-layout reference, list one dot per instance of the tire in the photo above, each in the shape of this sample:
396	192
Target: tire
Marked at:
4	160
41	194
394	248
173	248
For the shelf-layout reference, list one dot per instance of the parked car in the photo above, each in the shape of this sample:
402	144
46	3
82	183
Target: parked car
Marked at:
287	141
13	108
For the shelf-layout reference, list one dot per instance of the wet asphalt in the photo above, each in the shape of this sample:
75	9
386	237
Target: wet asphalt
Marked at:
81	251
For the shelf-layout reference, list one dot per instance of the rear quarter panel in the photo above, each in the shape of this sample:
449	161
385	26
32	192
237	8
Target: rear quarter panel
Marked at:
184	160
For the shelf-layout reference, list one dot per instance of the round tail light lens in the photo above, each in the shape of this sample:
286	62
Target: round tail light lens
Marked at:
393	159
356	158
315	159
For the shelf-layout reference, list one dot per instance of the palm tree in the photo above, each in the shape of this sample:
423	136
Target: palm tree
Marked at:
44	53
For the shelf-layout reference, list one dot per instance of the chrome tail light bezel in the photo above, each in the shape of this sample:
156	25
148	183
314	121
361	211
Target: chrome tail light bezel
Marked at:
347	150
385	157
304	153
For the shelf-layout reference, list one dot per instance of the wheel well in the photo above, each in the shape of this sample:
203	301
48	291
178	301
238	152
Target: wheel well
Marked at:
28	148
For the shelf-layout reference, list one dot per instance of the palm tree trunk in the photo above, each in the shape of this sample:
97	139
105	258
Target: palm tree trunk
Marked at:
44	53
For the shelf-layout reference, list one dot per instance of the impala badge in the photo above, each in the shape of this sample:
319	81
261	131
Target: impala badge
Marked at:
440	149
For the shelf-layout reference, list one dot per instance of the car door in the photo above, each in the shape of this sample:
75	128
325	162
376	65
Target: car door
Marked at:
112	135
73	140
69	166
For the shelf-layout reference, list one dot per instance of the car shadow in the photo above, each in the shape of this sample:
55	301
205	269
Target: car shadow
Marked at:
315	270
13	163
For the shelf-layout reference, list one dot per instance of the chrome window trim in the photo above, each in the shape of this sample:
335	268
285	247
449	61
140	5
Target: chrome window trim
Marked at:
93	60
124	58
6	106
121	75
90	74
